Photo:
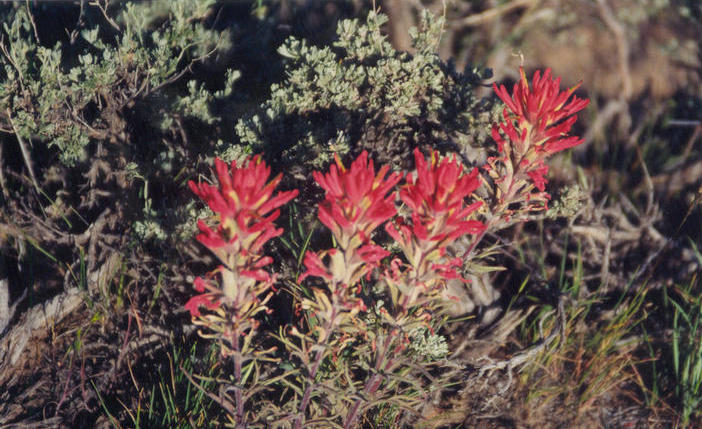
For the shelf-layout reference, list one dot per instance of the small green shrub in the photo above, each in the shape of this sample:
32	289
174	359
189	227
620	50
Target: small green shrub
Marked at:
361	93
71	94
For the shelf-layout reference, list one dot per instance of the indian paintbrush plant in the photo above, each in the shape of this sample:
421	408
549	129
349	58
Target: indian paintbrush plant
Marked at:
348	355
246	208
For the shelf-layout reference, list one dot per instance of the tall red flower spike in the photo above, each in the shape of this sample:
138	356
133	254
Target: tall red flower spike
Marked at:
536	124
357	199
247	208
436	195
244	201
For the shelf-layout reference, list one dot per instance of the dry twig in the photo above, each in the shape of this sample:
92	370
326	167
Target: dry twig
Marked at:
494	13
25	152
623	53
528	354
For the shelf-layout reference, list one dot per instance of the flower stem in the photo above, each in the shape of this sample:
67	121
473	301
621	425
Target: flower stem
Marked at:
237	376
374	381
496	215
315	366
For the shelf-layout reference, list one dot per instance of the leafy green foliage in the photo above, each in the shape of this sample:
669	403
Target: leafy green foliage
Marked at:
362	93
685	349
73	93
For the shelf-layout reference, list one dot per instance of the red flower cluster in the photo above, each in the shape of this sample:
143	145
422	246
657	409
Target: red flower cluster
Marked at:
542	115
436	196
242	201
357	201
536	124
247	208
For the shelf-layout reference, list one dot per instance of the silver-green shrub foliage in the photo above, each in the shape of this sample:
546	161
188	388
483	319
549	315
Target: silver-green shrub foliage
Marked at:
363	92
46	95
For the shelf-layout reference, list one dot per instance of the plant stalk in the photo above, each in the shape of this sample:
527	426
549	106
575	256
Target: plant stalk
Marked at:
373	382
237	376
315	366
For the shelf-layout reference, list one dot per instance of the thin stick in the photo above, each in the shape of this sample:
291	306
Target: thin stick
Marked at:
3	183
622	46
103	9
25	151
490	14
34	25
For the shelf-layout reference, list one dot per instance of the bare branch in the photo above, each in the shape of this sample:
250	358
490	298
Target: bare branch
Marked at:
103	9
34	25
3	183
25	151
491	14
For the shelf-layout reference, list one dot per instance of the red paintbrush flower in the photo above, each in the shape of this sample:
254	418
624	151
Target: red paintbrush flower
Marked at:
243	189
357	199
436	195
536	124
246	207
439	187
543	114
244	201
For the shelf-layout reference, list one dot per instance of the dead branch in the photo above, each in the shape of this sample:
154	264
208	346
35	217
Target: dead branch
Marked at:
623	53
103	9
34	24
529	353
25	151
3	183
38	321
494	13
